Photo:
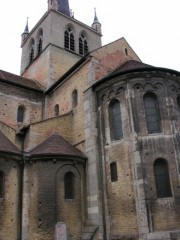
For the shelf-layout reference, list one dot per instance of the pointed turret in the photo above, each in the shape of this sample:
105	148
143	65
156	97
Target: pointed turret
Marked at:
96	24
64	7
25	33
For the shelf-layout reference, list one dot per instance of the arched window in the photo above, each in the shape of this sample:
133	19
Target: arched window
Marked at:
74	98
56	110
113	168
1	183
69	42
161	173
31	53
40	42
115	120
20	114
152	113
69	185
83	46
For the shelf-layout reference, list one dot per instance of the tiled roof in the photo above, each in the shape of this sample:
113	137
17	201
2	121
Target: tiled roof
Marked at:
7	146
56	145
132	65
18	80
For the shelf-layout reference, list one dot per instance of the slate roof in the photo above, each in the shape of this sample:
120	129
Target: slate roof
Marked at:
7	146
56	145
14	79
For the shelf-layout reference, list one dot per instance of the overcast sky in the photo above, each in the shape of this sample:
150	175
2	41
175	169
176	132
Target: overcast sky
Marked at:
151	27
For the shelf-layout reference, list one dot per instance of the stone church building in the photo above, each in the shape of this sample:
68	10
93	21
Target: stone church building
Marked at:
89	138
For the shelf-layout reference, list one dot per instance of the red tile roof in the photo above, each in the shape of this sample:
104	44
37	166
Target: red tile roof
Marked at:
56	145
132	65
18	80
7	146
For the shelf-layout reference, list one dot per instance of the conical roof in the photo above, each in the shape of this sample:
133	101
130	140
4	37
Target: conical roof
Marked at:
56	145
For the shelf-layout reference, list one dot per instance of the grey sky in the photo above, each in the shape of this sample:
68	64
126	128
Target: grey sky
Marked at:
151	27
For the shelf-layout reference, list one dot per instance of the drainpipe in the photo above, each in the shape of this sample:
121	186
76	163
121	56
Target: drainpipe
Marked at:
21	134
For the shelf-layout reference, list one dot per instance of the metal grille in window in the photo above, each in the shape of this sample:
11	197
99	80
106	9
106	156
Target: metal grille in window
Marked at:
69	42
31	56
113	168
83	46
69	185
40	45
1	183
115	120
152	113
20	114
161	172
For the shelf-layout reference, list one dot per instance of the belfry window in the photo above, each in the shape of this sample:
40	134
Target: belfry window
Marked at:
113	169
31	53
74	98
69	42
69	185
40	42
56	110
115	120
162	180
83	46
20	114
152	113
1	183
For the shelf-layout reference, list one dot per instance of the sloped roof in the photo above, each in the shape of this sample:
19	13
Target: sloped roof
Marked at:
14	79
56	145
7	146
131	65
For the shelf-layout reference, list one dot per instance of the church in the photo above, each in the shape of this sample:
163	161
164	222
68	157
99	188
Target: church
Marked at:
89	138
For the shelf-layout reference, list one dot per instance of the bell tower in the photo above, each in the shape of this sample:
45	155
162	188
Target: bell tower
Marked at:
56	43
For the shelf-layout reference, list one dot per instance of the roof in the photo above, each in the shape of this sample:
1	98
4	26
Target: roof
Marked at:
14	79
131	65
7	146
56	145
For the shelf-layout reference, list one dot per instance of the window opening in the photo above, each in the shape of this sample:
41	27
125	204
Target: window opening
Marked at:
39	47
83	46
69	185
161	172
31	55
56	110
113	168
152	113
74	98
20	114
115	120
69	42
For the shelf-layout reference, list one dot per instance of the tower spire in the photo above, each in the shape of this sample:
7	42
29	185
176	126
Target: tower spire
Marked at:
25	33
96	24
63	6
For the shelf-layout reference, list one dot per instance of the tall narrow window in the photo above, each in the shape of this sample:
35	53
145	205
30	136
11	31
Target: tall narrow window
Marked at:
20	114
40	42
74	98
69	42
31	53
1	183
113	168
161	173
115	120
56	110
69	185
83	46
178	103
152	113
